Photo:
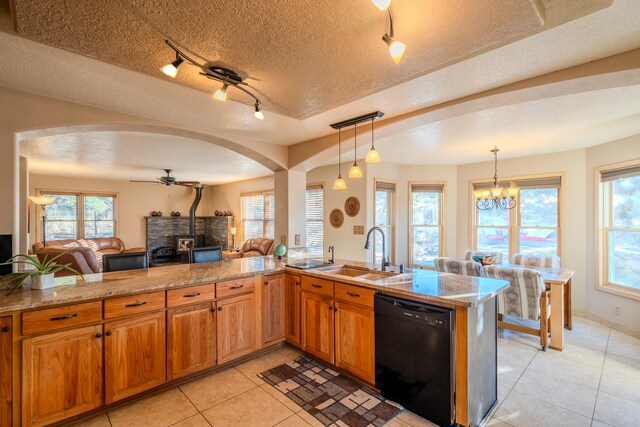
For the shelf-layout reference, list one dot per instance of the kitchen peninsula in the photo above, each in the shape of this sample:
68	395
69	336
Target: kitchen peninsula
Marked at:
67	351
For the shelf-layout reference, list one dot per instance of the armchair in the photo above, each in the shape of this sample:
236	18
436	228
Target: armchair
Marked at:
548	261
456	266
80	258
497	256
257	247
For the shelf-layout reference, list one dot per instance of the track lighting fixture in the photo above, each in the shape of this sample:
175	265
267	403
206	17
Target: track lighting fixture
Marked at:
355	172
381	4
339	184
396	48
227	77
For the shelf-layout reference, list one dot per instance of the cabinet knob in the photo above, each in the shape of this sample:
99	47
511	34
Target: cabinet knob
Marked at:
335	310
108	333
297	283
6	329
213	309
98	335
266	282
330	308
219	308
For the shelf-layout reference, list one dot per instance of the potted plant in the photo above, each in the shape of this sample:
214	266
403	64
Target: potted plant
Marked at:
42	276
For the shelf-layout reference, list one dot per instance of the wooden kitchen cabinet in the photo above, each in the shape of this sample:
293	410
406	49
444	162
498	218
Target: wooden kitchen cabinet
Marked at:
6	372
273	300
292	309
61	375
191	339
134	353
355	340
236	327
318	326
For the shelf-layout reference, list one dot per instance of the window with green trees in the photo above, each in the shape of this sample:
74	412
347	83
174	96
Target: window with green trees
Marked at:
80	216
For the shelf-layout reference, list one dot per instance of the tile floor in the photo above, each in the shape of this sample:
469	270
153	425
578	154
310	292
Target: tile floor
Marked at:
594	382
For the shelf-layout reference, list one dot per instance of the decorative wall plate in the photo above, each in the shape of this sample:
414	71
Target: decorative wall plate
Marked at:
336	218
352	206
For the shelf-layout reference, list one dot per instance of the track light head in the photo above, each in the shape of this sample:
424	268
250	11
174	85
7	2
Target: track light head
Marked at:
396	48
381	4
221	94
258	113
171	70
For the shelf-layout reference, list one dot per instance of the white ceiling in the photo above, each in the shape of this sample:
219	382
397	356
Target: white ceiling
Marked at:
139	156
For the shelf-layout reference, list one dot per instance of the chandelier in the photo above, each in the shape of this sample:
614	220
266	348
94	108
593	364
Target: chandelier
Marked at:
496	197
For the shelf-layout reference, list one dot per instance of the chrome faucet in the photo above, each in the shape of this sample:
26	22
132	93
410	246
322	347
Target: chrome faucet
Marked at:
333	255
383	267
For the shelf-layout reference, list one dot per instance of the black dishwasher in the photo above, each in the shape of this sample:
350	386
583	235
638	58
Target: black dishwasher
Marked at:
414	357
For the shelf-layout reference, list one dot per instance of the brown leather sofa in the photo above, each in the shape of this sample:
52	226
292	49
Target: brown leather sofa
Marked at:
82	259
257	247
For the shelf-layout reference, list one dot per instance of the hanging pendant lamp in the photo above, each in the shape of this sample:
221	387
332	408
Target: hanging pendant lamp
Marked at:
355	171
340	184
372	155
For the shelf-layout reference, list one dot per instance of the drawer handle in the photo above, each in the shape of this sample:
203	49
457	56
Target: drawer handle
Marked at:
351	294
193	295
237	287
136	304
68	316
316	286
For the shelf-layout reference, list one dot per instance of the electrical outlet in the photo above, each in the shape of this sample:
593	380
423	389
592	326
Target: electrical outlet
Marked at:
617	310
297	239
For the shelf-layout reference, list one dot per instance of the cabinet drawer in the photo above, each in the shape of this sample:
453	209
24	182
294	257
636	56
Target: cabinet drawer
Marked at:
61	317
133	304
235	287
355	294
317	286
190	295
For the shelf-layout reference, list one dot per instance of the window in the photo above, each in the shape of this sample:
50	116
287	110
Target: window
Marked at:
384	218
425	223
80	216
532	227
257	212
620	228
314	215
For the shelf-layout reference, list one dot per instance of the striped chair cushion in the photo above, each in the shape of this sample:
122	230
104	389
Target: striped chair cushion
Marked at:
522	298
457	266
497	256
548	261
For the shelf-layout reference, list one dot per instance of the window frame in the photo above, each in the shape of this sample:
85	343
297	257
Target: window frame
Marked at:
442	219
265	222
79	210
321	221
392	220
514	226
602	232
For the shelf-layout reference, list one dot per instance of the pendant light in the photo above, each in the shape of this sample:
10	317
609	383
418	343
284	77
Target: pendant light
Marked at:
372	155
396	48
355	171
496	197
339	184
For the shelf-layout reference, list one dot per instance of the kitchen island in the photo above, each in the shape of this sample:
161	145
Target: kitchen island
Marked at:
186	320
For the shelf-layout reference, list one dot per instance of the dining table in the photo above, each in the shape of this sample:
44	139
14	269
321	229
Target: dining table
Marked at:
559	282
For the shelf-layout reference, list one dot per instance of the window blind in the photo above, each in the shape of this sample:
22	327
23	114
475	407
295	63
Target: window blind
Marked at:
385	186
620	173
549	182
257	215
427	188
314	220
487	185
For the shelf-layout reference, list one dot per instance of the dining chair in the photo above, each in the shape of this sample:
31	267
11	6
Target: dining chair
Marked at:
458	266
497	256
126	261
548	261
526	298
205	254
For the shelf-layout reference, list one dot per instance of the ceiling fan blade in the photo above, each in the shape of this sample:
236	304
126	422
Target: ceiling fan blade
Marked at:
189	183
153	182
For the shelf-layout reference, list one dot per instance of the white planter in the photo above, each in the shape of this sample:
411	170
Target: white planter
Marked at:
40	281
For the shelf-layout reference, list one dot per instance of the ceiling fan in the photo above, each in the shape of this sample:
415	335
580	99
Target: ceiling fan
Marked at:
169	180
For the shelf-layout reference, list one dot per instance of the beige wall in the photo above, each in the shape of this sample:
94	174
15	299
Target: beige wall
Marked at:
134	201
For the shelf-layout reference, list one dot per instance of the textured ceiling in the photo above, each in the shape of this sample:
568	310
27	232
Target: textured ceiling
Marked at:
133	155
302	57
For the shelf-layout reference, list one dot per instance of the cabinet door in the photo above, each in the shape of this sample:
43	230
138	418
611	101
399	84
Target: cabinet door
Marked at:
355	340
273	308
292	309
6	369
134	353
236	326
61	375
191	340
318	326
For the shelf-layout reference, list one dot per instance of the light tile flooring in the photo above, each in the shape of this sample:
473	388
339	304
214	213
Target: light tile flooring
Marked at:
594	382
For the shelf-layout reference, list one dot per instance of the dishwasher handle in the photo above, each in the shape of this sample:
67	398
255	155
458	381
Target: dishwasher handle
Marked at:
412	306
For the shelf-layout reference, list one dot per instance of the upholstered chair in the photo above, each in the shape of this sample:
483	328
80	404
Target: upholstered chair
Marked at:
548	261
457	266
257	247
526	298
497	256
80	258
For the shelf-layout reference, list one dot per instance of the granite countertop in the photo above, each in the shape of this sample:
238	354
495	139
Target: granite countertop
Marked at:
426	285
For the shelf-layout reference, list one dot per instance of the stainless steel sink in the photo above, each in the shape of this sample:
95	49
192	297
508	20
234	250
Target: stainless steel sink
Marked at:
346	271
373	276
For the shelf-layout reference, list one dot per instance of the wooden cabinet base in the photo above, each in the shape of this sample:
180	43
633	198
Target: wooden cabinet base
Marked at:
355	337
6	371
236	327
318	326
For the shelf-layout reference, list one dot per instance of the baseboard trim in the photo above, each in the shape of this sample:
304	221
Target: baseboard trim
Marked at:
620	328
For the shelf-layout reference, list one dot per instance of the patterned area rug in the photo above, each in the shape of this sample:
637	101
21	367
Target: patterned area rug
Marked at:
330	397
